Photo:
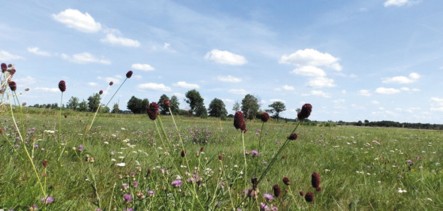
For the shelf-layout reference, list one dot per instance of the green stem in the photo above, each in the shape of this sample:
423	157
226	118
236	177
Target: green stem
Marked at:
245	169
116	91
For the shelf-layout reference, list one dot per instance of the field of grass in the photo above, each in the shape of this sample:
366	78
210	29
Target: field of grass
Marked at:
131	162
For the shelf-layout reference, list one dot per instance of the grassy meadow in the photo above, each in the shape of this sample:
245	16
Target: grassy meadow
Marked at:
129	162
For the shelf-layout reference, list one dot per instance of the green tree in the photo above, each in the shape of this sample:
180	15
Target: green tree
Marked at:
201	111
138	106
115	109
73	103
175	105
83	106
161	103
250	106
276	108
195	101
94	102
217	108
236	107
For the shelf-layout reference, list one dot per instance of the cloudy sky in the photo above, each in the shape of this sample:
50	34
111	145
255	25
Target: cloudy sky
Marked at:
351	59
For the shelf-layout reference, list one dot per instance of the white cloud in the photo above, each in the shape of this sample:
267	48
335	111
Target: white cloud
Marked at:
45	89
229	79
142	67
311	57
364	92
411	78
6	56
75	19
287	88
186	85
317	93
310	71
238	91
155	87
436	104
387	91
115	80
84	58
321	82
38	52
396	3
225	57
115	40
93	84
407	89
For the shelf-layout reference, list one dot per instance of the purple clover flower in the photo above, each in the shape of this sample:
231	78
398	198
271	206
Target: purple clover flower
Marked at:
268	197
127	197
176	183
48	200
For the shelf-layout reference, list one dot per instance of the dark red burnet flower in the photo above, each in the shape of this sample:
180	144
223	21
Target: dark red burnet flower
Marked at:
45	163
264	117
309	197
129	74
286	181
167	103
306	110
12	71
62	85
100	92
293	136
111	83
153	111
12	85
277	190
239	121
4	67
315	181
183	153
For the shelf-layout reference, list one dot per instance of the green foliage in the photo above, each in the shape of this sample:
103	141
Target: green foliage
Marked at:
138	106
94	102
196	103
174	104
249	106
73	103
277	107
161	103
217	108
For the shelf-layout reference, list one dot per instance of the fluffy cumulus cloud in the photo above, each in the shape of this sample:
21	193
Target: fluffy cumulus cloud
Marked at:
38	52
75	19
397	3
186	85
142	67
229	79
225	57
238	91
437	104
6	56
317	93
122	41
411	78
287	88
45	89
154	87
387	91
311	63
85	58
311	57
364	92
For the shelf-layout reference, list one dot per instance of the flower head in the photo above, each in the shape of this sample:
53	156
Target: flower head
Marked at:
239	121
264	117
277	190
45	163
176	183
111	83
305	111
167	103
4	67
48	200
153	111
309	197
129	74
293	136
100	92
254	153
12	85
62	85
286	181
268	197
127	197
315	181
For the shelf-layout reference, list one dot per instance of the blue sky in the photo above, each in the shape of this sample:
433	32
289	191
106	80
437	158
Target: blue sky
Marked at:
352	60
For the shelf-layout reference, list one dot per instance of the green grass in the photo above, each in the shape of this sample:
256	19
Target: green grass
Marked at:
361	168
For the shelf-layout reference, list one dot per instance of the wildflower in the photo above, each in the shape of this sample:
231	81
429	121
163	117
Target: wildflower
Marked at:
111	83
12	86
11	71
410	162
129	74
251	193
286	181
100	92
167	103
315	181
151	193
45	163
254	153
135	184
301	193
153	111
402	190
277	190
293	136
263	207
305	111
239	121
176	183
34	207
125	186
62	85
80	148
309	197
120	164
268	197
264	117
48	200
127	197
4	67
220	157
